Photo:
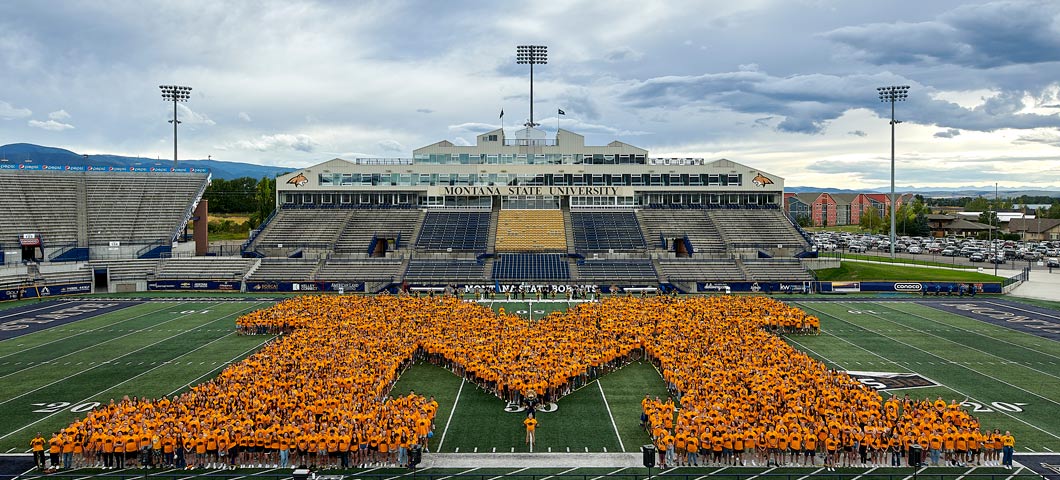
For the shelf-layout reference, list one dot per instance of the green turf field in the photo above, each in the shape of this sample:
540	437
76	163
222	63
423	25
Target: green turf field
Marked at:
48	378
861	271
160	347
1009	379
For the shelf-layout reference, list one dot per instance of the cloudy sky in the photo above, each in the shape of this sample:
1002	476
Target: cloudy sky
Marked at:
788	86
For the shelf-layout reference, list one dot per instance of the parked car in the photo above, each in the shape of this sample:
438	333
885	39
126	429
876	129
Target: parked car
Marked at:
977	257
915	249
1053	262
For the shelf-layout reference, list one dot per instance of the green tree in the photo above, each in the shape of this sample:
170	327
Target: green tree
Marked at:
264	201
804	220
871	221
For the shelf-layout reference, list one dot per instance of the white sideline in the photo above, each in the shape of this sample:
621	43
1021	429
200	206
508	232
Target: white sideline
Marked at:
612	417
451	412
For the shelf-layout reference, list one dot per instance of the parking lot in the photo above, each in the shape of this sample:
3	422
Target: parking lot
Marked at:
958	252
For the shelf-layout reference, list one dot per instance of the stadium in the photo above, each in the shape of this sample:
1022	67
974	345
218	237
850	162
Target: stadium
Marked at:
402	310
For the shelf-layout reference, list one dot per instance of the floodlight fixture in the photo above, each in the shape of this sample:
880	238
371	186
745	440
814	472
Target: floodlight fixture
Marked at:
531	55
892	94
175	93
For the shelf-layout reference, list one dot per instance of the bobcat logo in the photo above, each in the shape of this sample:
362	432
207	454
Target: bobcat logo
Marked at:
761	180
300	179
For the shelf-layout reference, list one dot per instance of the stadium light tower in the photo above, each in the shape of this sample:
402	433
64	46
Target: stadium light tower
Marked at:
893	93
175	93
531	55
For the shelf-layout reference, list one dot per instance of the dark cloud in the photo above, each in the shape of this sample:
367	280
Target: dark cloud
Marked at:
857	133
948	133
424	110
622	54
808	102
921	172
978	36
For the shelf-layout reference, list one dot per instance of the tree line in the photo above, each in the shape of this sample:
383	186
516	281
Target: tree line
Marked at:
247	196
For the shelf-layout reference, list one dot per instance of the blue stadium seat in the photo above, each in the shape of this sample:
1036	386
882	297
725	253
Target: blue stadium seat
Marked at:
531	266
603	231
460	231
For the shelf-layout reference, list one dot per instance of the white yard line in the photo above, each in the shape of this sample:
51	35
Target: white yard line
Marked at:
132	378
1018	470
763	473
967	473
940	357
53	360
411	472
86	331
612	417
560	473
513	473
865	473
441	441
961	344
918	472
899	363
111	360
950	325
811	474
459	473
594	478
200	377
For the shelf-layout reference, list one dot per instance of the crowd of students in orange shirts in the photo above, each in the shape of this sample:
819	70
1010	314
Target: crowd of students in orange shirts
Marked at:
320	394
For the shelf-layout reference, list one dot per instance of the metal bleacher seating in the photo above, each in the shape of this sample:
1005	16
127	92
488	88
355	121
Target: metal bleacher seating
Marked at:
127	270
604	231
294	227
531	231
289	269
686	270
459	231
531	266
125	207
616	270
204	268
365	224
693	223
39	202
138	208
756	227
774	270
444	271
374	269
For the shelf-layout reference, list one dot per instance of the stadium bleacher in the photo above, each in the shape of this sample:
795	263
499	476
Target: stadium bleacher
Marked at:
290	269
39	202
459	231
531	231
123	207
531	266
365	224
756	227
204	268
444	271
617	271
127	270
606	230
668	224
367	269
777	270
302	227
694	270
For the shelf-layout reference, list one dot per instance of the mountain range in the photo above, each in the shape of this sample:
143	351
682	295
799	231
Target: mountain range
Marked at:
22	152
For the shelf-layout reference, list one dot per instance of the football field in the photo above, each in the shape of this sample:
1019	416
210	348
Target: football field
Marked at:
75	358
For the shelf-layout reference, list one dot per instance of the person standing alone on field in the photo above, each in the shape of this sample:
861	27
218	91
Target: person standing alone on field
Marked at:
531	425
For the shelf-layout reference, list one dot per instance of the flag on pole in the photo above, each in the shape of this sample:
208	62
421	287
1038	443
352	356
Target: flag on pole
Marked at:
561	112
502	113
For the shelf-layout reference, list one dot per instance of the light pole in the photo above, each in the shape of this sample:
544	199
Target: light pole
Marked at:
894	93
175	93
531	55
